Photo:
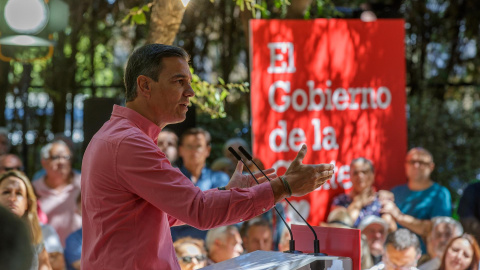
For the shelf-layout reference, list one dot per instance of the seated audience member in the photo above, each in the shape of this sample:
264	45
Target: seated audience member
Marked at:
223	243
375	230
421	198
58	189
16	194
73	244
402	251
10	162
71	145
15	249
13	162
4	142
53	246
461	253
194	150
257	235
191	253
362	201
167	141
469	210
443	229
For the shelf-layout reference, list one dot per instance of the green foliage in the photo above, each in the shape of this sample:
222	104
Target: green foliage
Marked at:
250	5
210	98
137	15
449	130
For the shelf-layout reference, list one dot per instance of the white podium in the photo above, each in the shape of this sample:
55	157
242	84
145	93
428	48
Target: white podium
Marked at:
275	260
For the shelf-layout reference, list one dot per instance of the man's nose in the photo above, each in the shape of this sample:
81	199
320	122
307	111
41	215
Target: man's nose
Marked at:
190	92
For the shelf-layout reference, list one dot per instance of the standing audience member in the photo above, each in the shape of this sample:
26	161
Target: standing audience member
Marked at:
16	194
15	249
420	199
223	243
58	189
167	141
443	229
257	235
73	244
4	142
469	210
363	200
194	150
461	253
191	253
10	162
402	251
375	230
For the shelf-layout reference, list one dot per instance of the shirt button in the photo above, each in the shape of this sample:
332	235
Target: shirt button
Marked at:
241	219
263	209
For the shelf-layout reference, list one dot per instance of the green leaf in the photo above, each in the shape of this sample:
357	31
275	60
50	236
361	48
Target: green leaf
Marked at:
139	18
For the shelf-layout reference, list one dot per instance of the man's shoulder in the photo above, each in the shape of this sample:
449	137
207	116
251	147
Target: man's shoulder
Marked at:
400	188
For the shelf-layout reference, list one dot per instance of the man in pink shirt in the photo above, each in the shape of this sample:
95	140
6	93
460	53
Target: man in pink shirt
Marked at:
131	193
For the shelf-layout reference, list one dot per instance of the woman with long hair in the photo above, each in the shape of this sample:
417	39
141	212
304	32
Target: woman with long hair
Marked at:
17	195
461	253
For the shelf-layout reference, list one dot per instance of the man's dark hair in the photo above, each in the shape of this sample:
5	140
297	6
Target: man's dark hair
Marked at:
402	239
196	131
147	61
260	222
365	161
15	246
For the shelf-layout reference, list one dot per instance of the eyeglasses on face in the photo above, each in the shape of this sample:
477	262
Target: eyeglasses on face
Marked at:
11	168
189	259
420	162
56	158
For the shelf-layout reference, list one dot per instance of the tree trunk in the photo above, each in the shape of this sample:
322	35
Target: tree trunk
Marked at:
297	8
165	21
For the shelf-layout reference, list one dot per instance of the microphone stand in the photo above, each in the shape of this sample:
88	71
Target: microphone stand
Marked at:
316	243
291	241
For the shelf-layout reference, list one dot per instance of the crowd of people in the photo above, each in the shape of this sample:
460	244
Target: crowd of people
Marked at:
409	227
123	209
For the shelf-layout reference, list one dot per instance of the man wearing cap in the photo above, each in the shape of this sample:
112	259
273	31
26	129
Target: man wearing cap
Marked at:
375	230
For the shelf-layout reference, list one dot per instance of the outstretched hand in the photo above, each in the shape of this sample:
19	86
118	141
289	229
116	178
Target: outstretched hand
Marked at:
240	180
304	178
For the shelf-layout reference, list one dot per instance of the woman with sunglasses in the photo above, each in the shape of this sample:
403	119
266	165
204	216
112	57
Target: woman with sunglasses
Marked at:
191	253
461	253
16	194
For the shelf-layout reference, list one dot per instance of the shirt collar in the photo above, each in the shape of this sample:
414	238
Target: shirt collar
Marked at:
141	122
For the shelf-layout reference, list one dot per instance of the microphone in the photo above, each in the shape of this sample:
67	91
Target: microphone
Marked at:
316	243
291	241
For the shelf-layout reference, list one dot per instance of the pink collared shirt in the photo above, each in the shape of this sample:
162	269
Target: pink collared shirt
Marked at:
131	195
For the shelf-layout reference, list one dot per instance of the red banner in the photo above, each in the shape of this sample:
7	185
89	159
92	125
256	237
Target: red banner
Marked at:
337	86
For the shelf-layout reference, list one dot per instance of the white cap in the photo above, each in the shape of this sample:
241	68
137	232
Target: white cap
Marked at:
368	220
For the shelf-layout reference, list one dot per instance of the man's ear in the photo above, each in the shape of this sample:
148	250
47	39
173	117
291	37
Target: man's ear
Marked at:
143	86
